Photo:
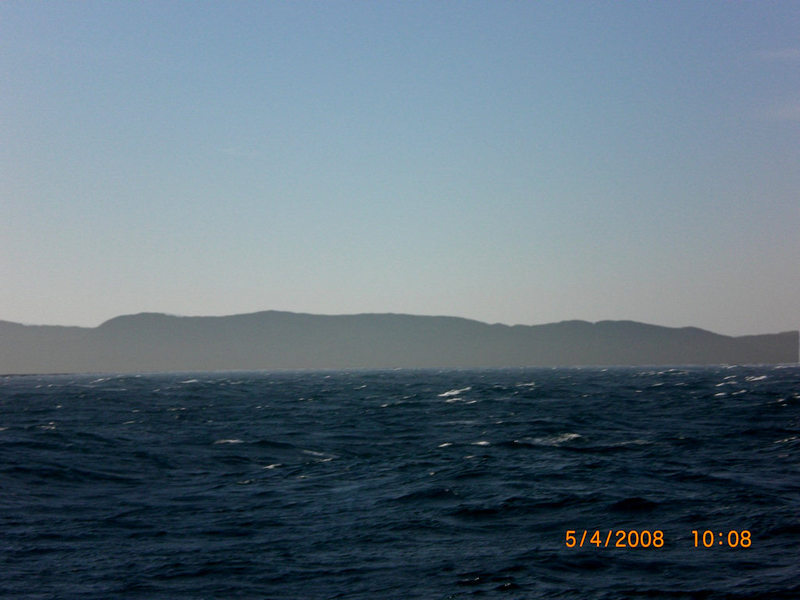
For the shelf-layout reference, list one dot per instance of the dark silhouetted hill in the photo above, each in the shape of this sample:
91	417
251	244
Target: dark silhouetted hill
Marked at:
283	340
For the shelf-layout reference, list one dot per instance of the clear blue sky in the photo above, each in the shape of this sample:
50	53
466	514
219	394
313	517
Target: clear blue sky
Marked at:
514	162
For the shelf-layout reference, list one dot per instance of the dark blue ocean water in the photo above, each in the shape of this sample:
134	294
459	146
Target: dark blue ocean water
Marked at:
401	484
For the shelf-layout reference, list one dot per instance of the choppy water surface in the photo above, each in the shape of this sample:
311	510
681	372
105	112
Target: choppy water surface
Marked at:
400	484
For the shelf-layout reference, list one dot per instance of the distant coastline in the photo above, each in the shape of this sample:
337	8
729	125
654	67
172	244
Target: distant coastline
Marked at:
153	342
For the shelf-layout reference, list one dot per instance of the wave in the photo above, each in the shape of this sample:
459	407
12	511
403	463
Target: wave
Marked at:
454	392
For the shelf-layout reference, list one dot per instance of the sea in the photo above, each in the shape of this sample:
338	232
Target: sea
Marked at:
585	483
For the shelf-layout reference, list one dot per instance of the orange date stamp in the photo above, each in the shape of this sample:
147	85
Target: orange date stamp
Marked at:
647	538
615	538
729	539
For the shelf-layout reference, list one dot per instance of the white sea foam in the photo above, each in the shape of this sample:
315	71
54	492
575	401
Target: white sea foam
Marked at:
314	453
482	443
557	440
321	456
229	441
191	381
636	442
460	399
793	438
755	378
450	393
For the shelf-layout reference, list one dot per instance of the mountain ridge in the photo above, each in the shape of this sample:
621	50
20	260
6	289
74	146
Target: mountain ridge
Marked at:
270	339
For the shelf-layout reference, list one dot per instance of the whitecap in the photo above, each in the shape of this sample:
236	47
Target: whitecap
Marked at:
557	440
229	441
314	453
321	456
191	381
793	438
450	393
482	443
272	466
460	399
755	378
445	445
636	442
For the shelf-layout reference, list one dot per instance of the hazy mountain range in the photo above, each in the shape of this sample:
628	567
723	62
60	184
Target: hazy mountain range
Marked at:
284	340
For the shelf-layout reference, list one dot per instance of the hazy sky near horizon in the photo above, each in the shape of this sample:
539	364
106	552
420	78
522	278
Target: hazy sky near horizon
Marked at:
515	162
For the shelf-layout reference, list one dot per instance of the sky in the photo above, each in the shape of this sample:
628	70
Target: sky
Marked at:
511	162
